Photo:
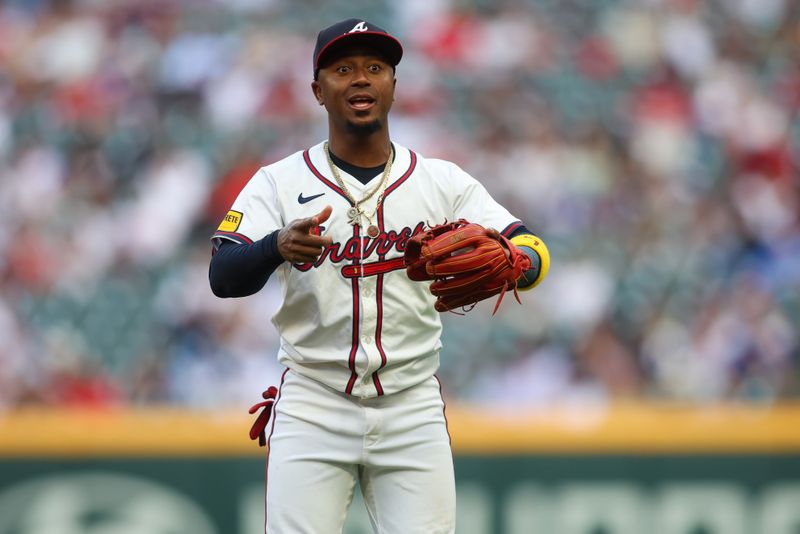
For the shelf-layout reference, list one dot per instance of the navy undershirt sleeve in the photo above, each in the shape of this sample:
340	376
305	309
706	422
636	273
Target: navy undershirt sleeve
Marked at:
520	231
239	270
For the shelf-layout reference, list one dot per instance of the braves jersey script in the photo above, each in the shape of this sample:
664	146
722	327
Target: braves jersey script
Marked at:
352	319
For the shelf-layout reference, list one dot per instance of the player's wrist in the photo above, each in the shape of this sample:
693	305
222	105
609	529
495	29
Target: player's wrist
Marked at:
269	247
535	249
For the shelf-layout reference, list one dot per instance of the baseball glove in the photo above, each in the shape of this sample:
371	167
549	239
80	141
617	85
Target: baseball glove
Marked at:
467	263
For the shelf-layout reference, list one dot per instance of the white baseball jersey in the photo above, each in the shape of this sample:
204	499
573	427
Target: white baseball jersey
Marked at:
352	319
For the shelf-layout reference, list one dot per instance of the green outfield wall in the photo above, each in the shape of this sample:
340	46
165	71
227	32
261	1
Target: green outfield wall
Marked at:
630	470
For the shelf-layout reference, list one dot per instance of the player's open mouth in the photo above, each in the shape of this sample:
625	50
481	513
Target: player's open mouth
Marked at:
361	102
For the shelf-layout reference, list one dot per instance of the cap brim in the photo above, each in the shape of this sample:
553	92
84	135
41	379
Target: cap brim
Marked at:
385	44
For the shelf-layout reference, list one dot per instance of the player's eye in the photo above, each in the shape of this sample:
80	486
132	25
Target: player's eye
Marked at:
342	69
374	68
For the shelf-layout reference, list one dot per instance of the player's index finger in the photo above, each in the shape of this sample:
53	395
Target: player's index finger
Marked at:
323	215
315	220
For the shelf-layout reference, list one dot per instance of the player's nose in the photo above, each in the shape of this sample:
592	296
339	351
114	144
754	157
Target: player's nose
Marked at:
360	78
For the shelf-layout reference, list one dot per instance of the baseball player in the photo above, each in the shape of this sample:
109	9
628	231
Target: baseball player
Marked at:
359	402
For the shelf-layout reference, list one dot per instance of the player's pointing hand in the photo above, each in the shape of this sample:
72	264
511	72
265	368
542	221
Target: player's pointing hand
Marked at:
322	216
300	242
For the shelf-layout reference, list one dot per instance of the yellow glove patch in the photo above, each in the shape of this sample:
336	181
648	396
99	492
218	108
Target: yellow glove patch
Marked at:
537	245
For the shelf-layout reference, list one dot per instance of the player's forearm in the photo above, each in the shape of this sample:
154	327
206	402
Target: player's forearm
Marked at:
535	249
239	270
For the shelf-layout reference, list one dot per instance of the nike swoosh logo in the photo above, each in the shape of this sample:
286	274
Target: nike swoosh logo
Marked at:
302	200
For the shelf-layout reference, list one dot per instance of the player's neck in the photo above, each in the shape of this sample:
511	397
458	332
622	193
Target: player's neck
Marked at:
362	151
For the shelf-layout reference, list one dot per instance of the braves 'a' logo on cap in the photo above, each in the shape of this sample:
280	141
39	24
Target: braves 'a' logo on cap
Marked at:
360	27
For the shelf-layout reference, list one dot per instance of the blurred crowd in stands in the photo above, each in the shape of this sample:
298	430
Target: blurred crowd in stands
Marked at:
653	144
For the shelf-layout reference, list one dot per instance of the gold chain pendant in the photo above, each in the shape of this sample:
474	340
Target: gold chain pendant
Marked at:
355	212
354	216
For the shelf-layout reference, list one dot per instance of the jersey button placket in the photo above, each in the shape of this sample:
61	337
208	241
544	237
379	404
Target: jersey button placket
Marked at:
368	325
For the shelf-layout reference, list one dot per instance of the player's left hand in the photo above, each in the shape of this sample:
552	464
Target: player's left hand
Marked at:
300	242
466	262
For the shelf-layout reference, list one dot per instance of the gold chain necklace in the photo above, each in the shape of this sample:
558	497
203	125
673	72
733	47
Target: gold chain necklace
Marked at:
355	212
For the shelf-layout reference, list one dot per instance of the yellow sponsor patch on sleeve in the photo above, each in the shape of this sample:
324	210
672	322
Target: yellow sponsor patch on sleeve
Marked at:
231	221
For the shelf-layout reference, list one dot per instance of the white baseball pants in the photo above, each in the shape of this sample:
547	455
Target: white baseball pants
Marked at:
323	442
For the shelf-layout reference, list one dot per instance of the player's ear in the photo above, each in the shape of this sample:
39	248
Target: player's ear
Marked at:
317	92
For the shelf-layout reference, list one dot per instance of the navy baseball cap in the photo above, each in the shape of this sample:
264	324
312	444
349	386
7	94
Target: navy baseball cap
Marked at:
352	31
